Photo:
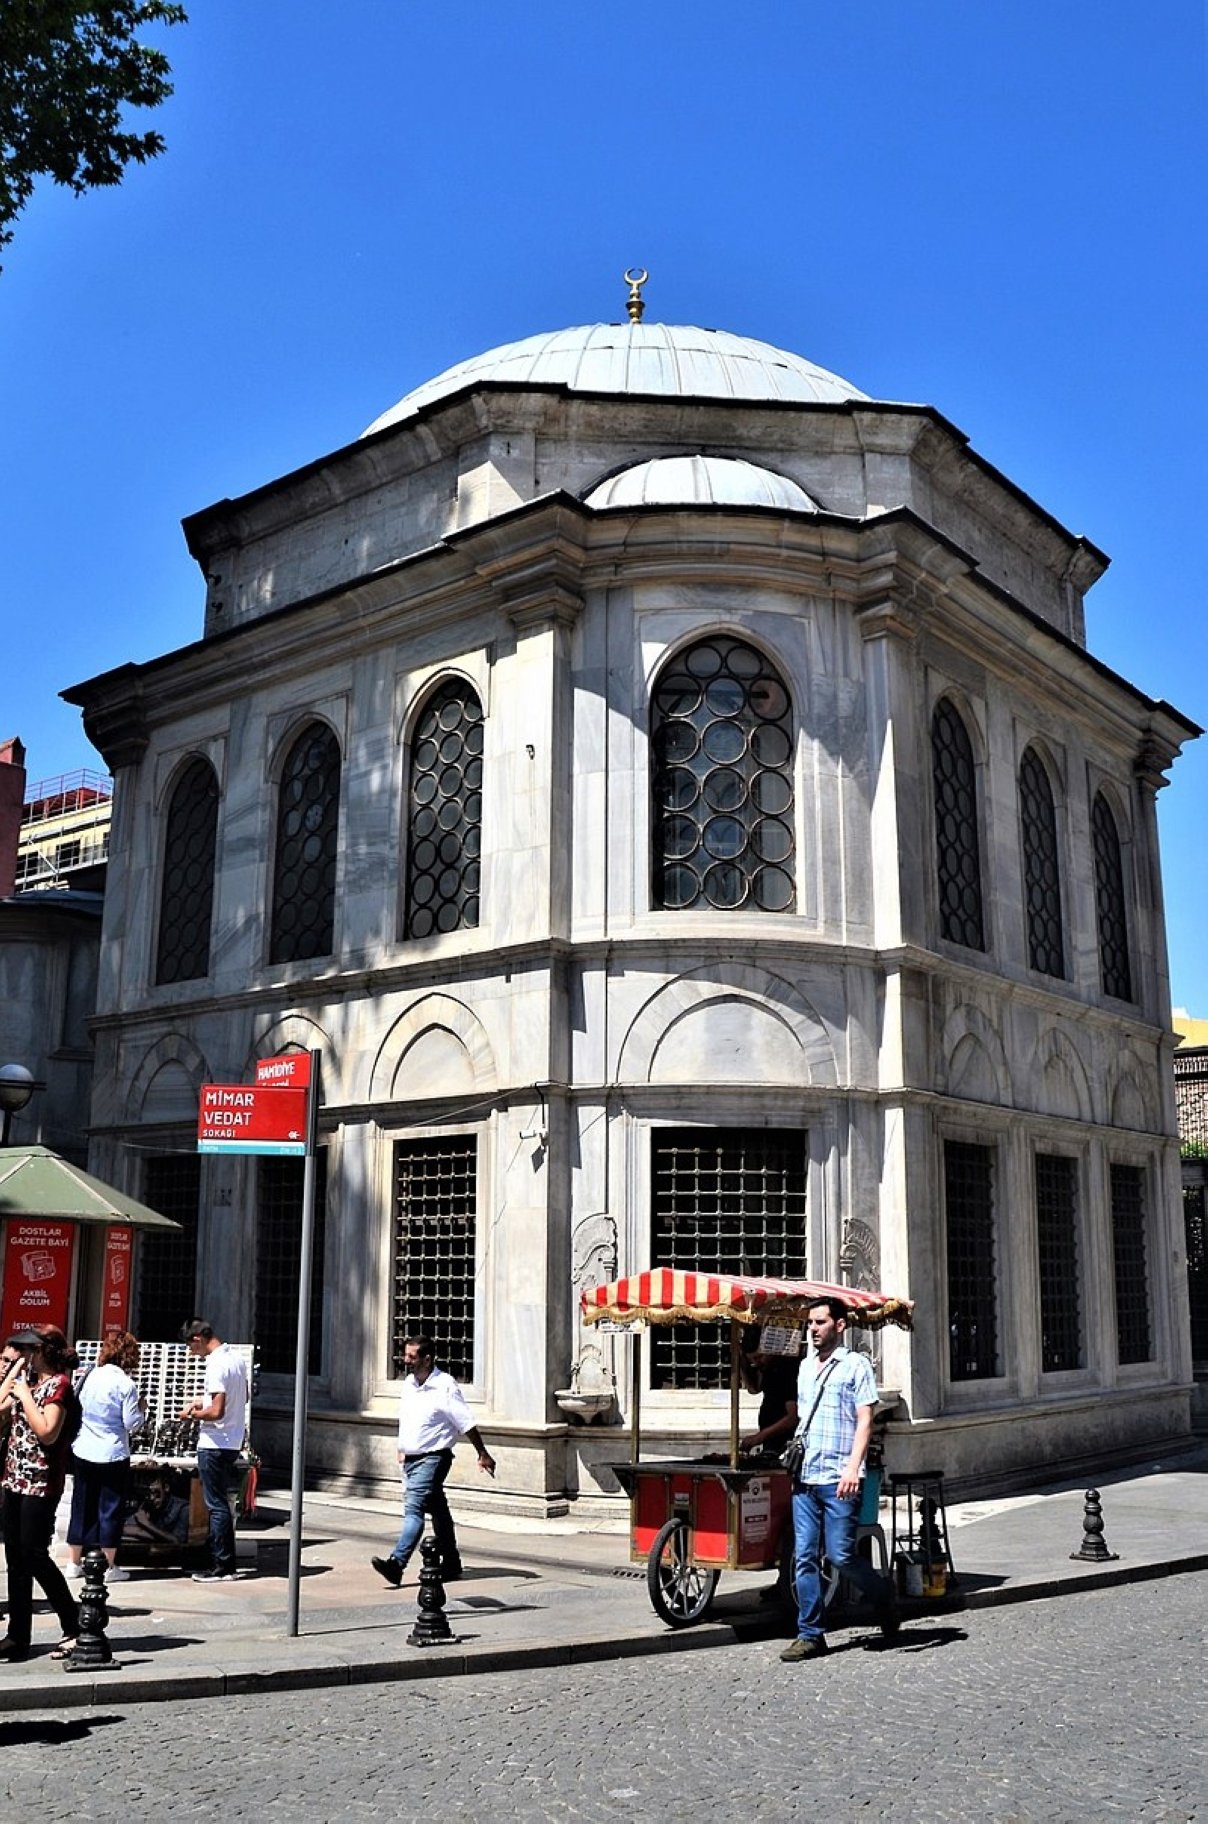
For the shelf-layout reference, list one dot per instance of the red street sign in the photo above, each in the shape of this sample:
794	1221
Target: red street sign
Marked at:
289	1070
248	1118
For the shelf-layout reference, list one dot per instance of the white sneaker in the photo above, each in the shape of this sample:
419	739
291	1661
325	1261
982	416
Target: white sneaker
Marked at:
115	1574
73	1572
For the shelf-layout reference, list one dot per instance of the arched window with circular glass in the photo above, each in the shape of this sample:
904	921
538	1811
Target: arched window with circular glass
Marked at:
444	849
721	769
187	893
958	853
1111	907
1041	866
304	878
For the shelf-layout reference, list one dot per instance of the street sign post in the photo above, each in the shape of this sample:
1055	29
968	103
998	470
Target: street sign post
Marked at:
302	1358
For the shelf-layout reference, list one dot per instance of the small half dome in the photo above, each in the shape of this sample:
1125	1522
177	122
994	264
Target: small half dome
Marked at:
700	481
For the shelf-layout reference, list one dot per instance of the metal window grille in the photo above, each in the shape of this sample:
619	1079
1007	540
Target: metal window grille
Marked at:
1114	971
279	1261
187	895
445	823
958	855
1041	867
304	879
721	772
1057	1244
166	1283
972	1266
1133	1342
727	1201
1191	1100
435	1224
1195	1219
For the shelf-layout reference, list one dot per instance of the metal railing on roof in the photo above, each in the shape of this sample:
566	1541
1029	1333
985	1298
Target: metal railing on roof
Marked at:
65	794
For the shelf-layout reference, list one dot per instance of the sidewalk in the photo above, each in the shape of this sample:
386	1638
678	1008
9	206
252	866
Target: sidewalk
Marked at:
550	1597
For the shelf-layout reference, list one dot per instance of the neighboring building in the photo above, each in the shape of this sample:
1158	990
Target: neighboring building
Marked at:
1191	1100
672	789
65	832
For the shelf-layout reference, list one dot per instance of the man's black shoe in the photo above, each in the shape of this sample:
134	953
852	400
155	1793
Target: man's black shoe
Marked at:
450	1570
390	1569
889	1615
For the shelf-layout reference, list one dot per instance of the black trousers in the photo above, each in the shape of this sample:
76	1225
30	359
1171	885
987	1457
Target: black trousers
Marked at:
29	1522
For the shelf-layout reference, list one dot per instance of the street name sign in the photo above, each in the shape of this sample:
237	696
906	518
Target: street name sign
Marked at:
251	1118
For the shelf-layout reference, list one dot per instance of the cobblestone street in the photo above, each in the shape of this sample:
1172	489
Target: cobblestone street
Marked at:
1084	1706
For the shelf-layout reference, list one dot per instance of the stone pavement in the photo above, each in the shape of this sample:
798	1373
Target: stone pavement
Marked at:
553	1596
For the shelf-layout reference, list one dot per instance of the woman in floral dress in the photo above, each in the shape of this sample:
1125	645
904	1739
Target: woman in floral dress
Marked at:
36	1390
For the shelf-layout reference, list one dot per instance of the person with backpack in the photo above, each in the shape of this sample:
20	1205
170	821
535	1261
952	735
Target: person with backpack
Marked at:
100	1455
36	1387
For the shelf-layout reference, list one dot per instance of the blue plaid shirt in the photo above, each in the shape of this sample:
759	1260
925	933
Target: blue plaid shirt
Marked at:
848	1385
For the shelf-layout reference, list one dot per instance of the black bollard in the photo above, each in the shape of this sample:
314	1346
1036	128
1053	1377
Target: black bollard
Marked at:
1094	1546
431	1624
92	1652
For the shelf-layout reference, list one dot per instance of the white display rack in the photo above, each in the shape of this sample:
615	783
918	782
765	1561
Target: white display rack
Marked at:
168	1379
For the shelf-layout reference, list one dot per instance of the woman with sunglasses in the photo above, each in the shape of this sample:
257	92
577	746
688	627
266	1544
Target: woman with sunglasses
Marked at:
36	1388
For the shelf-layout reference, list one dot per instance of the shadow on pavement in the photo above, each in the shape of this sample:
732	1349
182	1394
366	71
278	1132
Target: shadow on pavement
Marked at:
53	1731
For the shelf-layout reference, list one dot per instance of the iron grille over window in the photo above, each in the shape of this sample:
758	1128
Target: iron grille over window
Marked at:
1057	1242
958	855
304	880
727	1201
1114	971
1191	1100
167	1258
1132	1272
445	823
1041	867
187	896
435	1218
972	1270
721	770
279	1261
1195	1218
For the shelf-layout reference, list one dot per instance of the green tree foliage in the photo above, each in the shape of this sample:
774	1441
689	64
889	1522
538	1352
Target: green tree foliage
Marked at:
67	70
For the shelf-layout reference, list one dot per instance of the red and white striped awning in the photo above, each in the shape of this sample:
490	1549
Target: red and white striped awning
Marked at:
664	1296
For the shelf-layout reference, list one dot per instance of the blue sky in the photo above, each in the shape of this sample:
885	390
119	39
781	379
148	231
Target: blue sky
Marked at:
998	209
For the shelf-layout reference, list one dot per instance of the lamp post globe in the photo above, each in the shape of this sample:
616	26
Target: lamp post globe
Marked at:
17	1085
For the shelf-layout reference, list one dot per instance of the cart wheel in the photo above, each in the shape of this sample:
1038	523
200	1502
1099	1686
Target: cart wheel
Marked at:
679	1590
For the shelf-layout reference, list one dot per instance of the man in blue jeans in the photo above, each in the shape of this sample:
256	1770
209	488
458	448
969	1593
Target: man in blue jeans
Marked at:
432	1416
222	1412
836	1397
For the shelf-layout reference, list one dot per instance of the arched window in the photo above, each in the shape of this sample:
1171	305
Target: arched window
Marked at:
1110	904
444	819
304	877
958	856
721	780
1041	867
186	898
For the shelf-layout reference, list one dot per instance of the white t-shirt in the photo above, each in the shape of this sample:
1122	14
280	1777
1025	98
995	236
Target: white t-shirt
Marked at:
225	1373
109	1412
431	1416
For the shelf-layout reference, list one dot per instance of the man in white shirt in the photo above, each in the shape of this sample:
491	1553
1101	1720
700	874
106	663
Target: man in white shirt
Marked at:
222	1411
432	1416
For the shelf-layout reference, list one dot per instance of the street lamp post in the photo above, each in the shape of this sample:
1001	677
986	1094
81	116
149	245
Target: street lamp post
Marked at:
17	1085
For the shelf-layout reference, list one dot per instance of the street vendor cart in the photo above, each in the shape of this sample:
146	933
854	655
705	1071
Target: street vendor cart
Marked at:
690	1519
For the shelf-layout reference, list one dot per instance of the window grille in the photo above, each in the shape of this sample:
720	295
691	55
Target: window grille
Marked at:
445	821
167	1258
1057	1243
187	894
1114	971
721	771
1041	867
435	1223
1132	1272
727	1201
958	856
972	1266
279	1262
304	879
1195	1219
1191	1100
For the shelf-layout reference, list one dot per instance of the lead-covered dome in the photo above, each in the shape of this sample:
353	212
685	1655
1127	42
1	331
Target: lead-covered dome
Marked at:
700	481
673	360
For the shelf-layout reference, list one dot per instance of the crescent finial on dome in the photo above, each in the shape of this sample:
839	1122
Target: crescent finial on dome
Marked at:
635	303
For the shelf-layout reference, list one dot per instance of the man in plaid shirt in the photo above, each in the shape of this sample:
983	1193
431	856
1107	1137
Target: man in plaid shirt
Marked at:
836	1396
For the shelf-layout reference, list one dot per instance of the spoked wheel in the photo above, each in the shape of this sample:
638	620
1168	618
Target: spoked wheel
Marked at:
680	1591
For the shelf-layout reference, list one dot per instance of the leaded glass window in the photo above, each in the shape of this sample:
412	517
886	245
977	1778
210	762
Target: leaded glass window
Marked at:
1057	1243
279	1186
304	880
1110	906
1133	1342
435	1219
730	1200
958	855
972	1268
186	899
721	770
445	813
167	1258
1041	867
1195	1217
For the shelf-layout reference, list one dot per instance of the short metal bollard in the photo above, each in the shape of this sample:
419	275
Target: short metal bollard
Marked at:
432	1624
92	1652
1094	1547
